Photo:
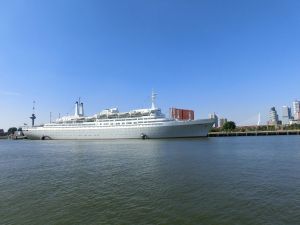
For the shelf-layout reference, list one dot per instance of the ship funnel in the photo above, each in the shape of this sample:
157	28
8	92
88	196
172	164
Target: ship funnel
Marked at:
81	112
76	109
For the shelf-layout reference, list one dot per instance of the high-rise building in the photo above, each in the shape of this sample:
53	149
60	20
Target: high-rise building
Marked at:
215	117
273	117
296	109
222	121
286	115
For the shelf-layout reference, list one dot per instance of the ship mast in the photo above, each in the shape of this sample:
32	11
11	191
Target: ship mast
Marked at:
153	98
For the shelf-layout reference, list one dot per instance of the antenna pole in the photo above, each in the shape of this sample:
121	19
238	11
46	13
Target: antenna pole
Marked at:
33	107
33	117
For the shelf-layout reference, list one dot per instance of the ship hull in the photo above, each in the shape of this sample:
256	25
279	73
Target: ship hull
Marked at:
174	129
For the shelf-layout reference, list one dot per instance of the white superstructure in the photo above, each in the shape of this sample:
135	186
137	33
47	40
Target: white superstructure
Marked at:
112	124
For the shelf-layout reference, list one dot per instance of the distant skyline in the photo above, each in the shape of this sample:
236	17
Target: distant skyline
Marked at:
235	58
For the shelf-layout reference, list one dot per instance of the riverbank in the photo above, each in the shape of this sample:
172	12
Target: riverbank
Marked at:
253	133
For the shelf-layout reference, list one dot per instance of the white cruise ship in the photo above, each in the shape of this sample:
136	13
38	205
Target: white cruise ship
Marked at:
112	124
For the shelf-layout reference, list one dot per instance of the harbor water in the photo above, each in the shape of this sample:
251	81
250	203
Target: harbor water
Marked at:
221	181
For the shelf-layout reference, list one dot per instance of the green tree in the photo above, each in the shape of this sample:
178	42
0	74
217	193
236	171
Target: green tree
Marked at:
215	129
11	130
229	126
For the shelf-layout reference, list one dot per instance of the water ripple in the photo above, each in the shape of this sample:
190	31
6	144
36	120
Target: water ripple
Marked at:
247	180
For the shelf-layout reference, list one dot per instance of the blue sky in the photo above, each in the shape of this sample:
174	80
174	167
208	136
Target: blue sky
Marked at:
235	58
